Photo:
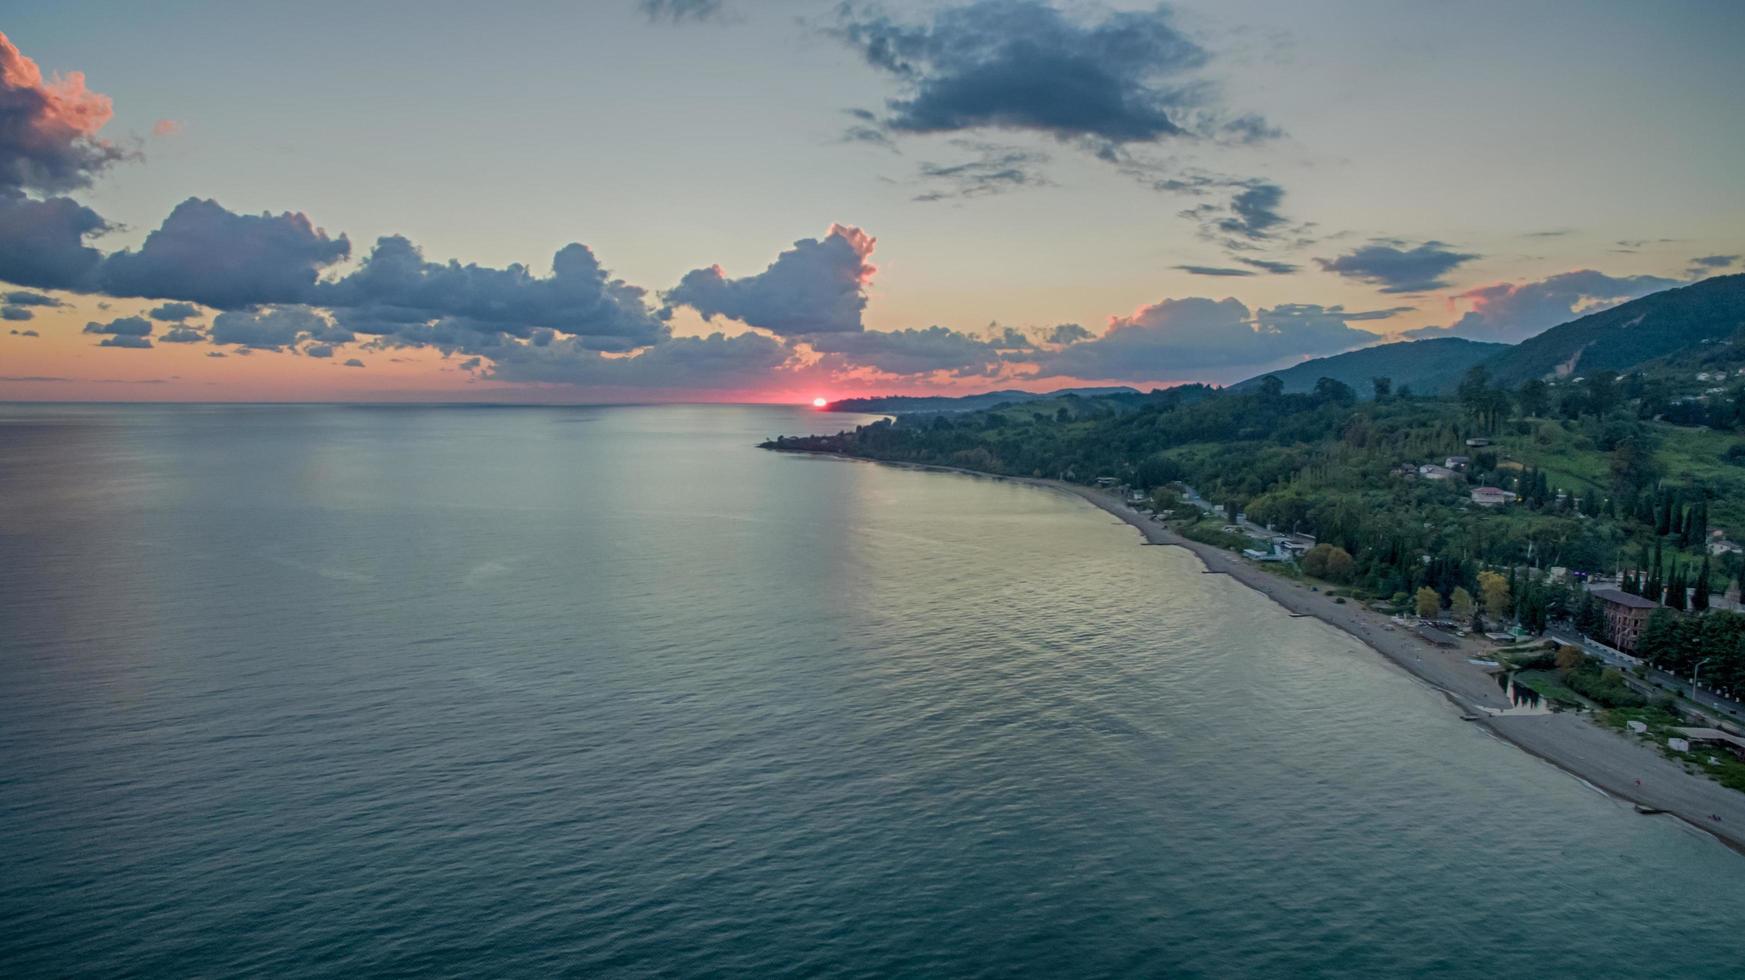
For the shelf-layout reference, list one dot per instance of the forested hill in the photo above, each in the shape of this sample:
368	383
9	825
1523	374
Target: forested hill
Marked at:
1423	366
964	403
1631	335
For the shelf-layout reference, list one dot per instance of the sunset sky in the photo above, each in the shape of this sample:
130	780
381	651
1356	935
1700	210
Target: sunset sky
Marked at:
653	200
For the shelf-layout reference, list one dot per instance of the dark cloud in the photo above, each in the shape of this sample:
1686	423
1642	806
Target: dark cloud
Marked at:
174	312
677	11
396	291
318	350
1254	211
714	362
353	362
1213	270
1068	333
1182	338
16	313
127	326
1511	312
208	255
25	333
1705	265
42	243
993	170
1267	265
48	130
22	297
818	286
910	351
1388	263
1024	65
272	328
183	335
126	340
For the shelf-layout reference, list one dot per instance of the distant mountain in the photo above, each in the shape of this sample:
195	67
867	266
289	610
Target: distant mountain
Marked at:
1426	366
897	404
1629	336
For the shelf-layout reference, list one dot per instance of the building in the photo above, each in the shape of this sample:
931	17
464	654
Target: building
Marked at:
1430	471
1626	616
1477	443
1457	462
1492	496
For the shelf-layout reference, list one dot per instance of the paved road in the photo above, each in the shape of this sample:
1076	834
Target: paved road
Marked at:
1707	699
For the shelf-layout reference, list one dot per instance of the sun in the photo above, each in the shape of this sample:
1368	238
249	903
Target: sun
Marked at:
820	402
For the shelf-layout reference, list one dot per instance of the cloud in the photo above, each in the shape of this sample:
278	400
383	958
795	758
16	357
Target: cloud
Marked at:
353	362
126	340
1267	265
818	286
1397	269
42	243
1024	65
19	305
1511	312
1180	338
183	335
1068	333
166	127
395	291
318	350
713	362
1254	211
1213	270
1705	265
126	326
208	255
678	11
24	333
914	351
993	170
273	328
174	312
48	130
22	297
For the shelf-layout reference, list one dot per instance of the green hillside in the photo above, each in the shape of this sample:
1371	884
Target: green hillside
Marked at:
1425	366
1629	336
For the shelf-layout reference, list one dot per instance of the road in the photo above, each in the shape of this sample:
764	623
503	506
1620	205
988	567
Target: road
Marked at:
1707	699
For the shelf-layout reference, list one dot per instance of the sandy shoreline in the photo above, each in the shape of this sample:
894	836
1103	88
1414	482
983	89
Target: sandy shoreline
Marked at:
1621	767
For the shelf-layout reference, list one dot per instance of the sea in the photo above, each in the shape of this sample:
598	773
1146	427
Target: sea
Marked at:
371	691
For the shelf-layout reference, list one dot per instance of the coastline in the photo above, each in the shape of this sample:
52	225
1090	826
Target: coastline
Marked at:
1620	767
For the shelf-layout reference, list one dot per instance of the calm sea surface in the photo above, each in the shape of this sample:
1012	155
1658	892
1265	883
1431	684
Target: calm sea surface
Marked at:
477	692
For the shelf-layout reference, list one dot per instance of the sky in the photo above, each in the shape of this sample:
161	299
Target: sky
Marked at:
776	200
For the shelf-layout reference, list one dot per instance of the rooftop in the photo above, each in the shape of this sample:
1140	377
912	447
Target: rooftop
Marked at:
1623	598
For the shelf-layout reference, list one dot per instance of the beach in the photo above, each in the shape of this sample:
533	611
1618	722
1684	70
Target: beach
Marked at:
1620	766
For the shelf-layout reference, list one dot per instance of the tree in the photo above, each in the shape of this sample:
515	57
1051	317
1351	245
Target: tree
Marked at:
1428	602
1569	658
1494	589
1334	391
1534	397
1383	387
1461	605
1330	562
1699	600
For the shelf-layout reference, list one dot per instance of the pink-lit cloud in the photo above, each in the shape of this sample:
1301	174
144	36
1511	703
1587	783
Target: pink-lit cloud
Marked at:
48	129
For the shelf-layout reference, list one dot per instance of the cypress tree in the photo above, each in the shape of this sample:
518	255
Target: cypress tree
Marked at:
1675	588
1699	600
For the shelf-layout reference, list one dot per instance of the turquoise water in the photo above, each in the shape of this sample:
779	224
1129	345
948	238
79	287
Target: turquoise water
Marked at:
324	691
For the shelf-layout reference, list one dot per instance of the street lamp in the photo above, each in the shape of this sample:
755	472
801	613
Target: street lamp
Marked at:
1694	671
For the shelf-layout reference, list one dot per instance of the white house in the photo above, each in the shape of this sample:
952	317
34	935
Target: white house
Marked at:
1430	471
